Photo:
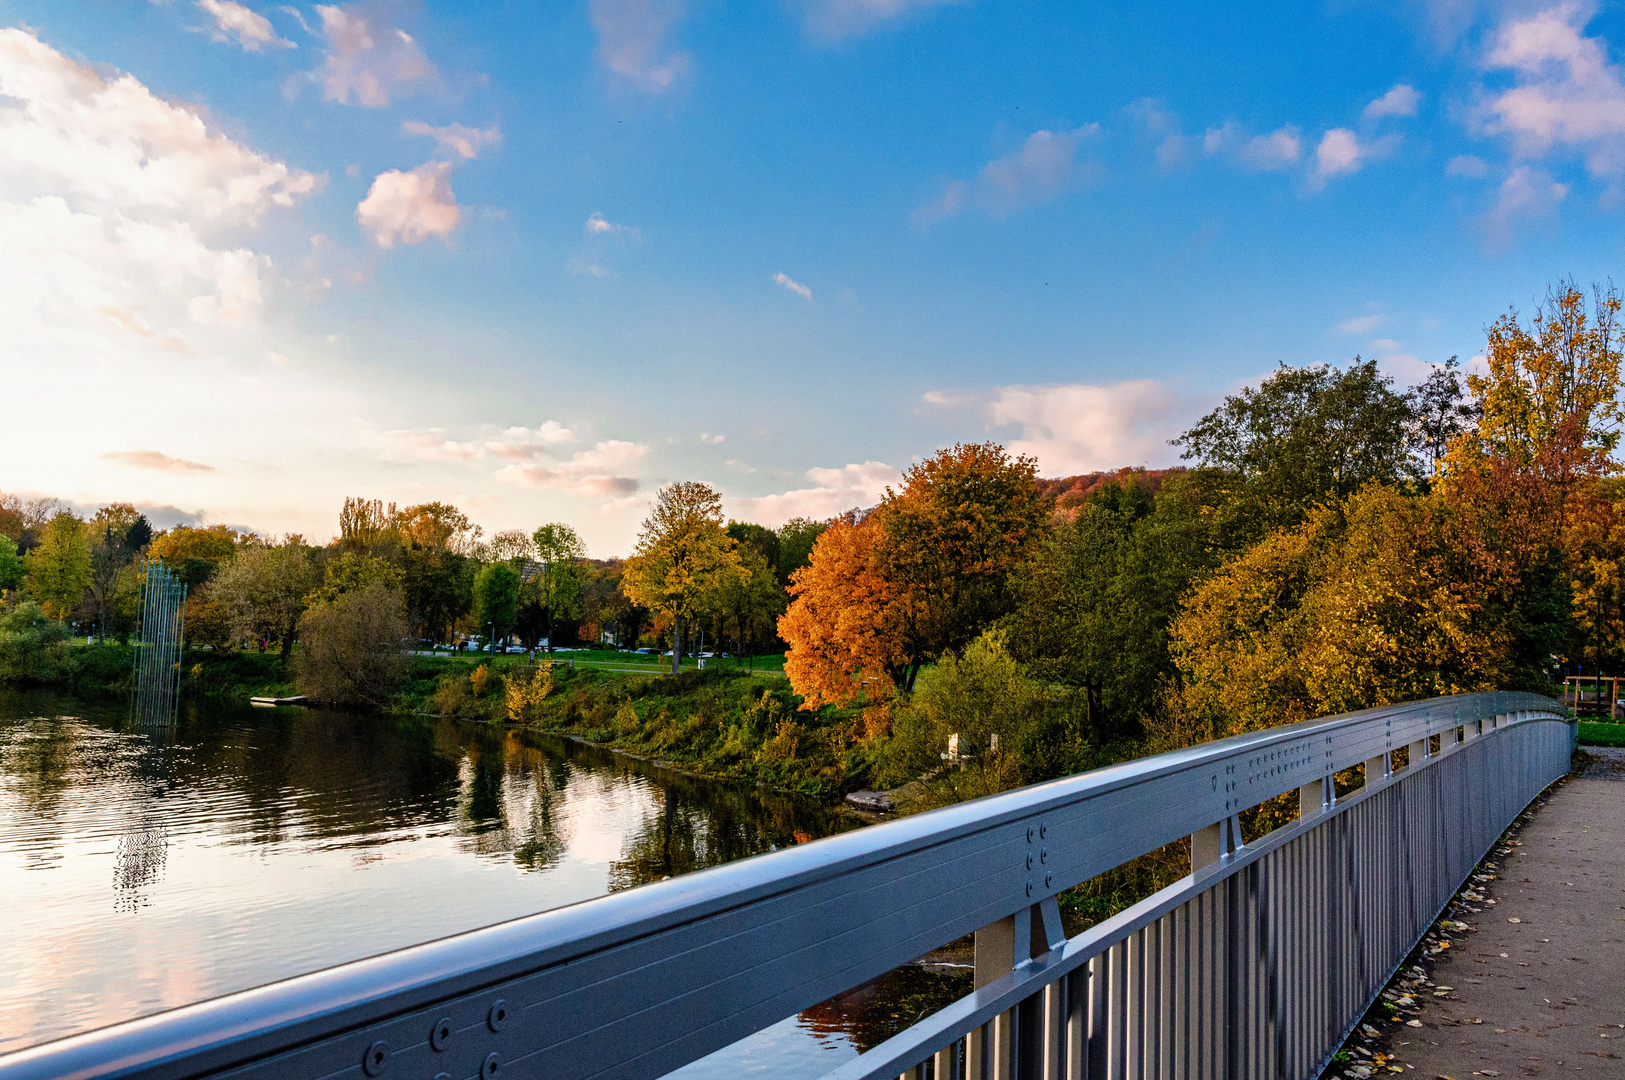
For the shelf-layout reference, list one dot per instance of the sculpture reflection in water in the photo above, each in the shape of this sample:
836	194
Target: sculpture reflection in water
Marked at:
140	861
161	626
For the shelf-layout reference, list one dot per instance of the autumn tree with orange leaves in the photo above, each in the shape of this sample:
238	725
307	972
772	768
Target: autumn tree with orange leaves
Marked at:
923	574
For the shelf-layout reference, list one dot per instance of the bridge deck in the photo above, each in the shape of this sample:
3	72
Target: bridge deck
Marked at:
1539	985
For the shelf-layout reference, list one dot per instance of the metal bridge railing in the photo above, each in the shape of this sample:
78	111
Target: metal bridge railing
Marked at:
1256	965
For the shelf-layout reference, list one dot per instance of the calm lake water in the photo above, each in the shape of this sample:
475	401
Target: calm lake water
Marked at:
143	870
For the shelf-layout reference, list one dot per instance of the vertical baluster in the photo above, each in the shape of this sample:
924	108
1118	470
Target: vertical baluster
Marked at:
1053	1008
943	1062
1077	1024
1003	1046
1134	1006
1100	993
976	1054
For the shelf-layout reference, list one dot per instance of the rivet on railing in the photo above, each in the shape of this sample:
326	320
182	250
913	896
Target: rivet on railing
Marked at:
376	1059
488	1067
498	1016
441	1035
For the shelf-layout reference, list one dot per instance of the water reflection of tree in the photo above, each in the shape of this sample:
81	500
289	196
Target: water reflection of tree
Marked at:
509	780
41	756
701	823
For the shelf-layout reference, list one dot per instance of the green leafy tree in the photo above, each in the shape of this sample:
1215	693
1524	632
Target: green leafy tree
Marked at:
33	647
747	606
59	568
559	549
496	600
684	557
439	589
116	533
353	571
796	539
12	571
1306	435
267	588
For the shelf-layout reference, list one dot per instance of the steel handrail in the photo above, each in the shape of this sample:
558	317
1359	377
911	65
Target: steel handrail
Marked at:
640	982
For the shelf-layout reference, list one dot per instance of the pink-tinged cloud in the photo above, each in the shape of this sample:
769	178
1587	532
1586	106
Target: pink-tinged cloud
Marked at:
601	472
152	459
1567	93
1079	427
367	58
832	492
1044	168
464	142
410	206
632	42
234	22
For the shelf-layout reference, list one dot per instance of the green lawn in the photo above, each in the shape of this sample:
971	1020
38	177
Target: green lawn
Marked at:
612	660
1601	733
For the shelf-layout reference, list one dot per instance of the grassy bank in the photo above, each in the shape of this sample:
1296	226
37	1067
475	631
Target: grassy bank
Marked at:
720	722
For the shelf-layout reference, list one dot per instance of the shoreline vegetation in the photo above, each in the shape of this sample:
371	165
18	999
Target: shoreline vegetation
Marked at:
1335	542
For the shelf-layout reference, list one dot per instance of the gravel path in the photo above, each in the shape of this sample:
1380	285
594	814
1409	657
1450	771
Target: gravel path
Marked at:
1536	988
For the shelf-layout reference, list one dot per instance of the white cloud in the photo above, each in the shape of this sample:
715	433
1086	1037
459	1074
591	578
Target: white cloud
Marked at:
833	491
233	22
410	206
524	444
1527	193
152	459
1342	152
1467	165
836	20
632	42
1280	149
1386	345
1041	170
464	142
520	444
1567	93
69	130
1080	427
367	58
431	445
1402	100
597	226
110	200
608	469
714	440
1360	324
794	286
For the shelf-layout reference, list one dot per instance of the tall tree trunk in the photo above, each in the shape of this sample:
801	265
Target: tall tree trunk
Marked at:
676	642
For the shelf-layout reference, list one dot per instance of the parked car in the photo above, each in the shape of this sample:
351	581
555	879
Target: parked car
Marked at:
644	652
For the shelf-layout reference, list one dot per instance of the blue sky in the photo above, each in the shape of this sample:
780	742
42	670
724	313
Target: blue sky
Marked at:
539	260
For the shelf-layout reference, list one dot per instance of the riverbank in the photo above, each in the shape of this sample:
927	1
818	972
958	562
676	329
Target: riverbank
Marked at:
724	722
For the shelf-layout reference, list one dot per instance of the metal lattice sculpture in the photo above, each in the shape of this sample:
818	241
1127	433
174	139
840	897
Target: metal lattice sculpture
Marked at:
162	624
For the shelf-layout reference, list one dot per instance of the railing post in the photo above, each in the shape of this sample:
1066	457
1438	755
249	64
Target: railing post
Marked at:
1377	768
1218	841
1000	946
1312	799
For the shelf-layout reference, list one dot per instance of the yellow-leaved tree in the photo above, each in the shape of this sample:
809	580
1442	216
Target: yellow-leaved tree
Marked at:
684	557
1358	606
